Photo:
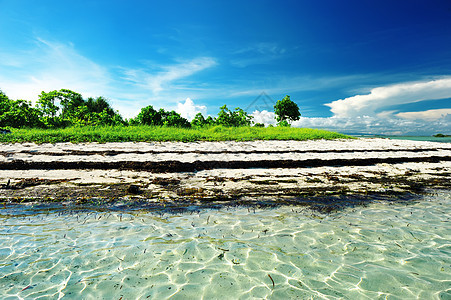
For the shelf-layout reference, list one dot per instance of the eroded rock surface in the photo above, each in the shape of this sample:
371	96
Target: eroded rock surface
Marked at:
212	172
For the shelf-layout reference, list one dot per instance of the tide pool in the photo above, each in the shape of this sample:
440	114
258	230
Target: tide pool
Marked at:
382	250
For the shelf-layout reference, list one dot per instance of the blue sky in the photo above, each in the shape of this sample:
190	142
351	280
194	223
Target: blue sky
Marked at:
351	66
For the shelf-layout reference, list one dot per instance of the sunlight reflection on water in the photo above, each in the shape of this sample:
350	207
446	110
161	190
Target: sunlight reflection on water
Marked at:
383	249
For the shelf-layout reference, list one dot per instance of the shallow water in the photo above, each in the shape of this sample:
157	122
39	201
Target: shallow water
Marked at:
383	250
412	138
423	138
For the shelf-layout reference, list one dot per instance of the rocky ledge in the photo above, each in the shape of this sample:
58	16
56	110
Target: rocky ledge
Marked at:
211	173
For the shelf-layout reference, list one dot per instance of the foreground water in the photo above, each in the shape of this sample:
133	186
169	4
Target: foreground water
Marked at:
383	250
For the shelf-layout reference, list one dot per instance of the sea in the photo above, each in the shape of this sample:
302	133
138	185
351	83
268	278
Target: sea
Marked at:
379	250
446	139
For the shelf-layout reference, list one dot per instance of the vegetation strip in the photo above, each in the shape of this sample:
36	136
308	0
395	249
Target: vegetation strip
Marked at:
117	152
141	133
178	166
66	108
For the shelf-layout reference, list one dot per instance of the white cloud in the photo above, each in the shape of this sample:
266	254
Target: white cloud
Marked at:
162	80
381	97
51	66
376	125
189	110
427	115
259	53
264	116
261	48
389	125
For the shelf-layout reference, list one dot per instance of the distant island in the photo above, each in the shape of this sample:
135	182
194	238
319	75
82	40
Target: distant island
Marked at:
439	135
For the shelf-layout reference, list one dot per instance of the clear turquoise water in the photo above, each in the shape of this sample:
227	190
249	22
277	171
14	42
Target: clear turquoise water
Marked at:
422	138
413	138
381	251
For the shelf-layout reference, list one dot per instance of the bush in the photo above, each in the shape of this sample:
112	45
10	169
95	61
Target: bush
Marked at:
149	116
284	123
66	108
198	121
18	113
235	118
175	120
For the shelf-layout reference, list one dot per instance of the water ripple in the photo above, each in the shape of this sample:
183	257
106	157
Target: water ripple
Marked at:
383	250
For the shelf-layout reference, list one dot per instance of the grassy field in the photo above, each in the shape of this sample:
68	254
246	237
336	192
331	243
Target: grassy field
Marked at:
151	133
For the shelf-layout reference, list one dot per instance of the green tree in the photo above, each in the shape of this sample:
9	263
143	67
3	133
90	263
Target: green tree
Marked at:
5	103
83	117
175	120
99	112
283	123
18	113
149	116
225	117
70	102
235	118
210	121
99	105
198	121
75	110
46	104
286	110
64	100
241	118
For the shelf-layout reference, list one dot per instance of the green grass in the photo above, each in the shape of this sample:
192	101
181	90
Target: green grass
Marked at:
151	133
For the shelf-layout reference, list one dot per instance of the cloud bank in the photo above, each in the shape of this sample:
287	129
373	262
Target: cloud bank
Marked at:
428	115
367	124
381	97
359	114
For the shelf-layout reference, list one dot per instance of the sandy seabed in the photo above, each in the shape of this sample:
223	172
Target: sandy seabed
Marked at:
207	172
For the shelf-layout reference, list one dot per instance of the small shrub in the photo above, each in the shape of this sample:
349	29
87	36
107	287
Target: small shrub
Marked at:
284	123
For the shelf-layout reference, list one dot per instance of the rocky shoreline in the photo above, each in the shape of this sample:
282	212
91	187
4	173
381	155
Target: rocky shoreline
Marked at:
219	173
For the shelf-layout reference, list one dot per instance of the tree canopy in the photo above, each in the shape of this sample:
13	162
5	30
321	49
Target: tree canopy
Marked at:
62	108
286	110
57	109
235	118
18	113
150	116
